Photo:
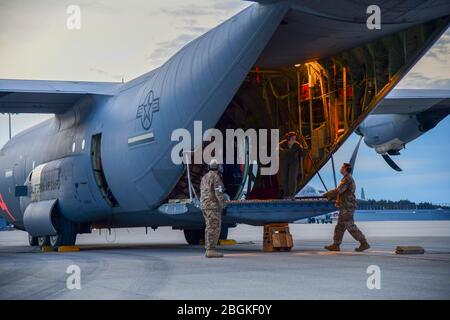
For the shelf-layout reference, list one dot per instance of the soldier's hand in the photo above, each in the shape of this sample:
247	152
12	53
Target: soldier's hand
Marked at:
329	195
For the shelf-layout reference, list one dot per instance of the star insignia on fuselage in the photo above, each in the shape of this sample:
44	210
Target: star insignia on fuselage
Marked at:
145	111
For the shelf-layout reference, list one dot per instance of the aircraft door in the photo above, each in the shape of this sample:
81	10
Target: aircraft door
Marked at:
83	191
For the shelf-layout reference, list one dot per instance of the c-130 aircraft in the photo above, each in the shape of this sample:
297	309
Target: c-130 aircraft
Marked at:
104	160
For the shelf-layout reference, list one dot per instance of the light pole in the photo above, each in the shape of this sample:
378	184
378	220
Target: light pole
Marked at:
9	122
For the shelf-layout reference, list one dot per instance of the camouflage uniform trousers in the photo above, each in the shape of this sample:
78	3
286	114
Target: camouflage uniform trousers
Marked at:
346	222
213	220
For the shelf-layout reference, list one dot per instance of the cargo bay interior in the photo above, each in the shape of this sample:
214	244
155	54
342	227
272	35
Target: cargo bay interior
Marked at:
323	100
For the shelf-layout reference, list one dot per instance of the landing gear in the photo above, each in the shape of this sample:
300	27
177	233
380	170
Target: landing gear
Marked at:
43	241
195	236
66	233
33	241
224	233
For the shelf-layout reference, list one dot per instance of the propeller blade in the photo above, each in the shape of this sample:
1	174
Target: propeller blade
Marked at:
334	171
355	154
391	162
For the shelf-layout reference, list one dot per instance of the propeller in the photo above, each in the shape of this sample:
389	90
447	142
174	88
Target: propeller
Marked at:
334	171
391	162
352	160
385	156
355	154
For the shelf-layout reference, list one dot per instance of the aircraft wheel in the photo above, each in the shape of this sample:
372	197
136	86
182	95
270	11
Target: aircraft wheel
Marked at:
67	233
223	233
43	241
33	241
194	236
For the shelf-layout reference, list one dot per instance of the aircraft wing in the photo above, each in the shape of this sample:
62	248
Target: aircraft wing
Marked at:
42	96
413	101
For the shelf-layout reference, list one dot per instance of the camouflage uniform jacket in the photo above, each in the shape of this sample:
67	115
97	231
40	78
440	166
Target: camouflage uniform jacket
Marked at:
212	191
344	193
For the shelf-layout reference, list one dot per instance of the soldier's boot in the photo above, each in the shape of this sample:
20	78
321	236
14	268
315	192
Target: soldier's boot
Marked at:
211	253
333	247
363	246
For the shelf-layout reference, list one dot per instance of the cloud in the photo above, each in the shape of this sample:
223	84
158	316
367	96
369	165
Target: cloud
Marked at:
106	73
229	5
168	48
432	70
210	9
193	19
417	80
441	49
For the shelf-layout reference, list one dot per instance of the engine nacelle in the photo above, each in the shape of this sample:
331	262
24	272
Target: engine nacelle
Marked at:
38	218
389	132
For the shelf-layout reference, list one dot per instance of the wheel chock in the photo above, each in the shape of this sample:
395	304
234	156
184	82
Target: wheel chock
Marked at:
68	249
222	242
227	242
409	250
46	249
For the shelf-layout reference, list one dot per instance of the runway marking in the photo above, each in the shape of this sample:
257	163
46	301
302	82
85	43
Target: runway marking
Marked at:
331	253
241	254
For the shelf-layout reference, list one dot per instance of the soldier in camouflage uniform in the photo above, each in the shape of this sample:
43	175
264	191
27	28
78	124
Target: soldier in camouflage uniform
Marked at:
212	201
346	202
291	153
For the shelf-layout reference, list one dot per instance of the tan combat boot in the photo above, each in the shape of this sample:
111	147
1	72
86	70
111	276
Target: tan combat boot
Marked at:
213	254
363	246
333	247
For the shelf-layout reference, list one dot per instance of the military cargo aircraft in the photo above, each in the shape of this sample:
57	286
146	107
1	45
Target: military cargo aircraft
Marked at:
104	159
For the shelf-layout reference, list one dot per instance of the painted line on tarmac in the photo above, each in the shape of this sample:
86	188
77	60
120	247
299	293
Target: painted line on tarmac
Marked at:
342	253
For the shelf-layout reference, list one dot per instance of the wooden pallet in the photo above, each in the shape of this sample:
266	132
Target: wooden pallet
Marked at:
277	238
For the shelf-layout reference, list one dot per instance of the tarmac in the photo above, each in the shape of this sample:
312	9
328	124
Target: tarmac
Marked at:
130	264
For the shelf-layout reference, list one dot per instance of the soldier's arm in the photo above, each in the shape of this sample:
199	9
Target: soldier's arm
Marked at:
331	195
281	146
343	186
219	191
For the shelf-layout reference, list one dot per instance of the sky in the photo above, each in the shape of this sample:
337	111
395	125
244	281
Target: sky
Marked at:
124	39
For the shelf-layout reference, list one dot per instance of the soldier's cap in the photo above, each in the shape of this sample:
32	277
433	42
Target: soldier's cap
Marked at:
347	166
213	165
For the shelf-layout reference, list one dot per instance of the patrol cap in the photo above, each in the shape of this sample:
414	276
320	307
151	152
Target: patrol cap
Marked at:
347	166
213	164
